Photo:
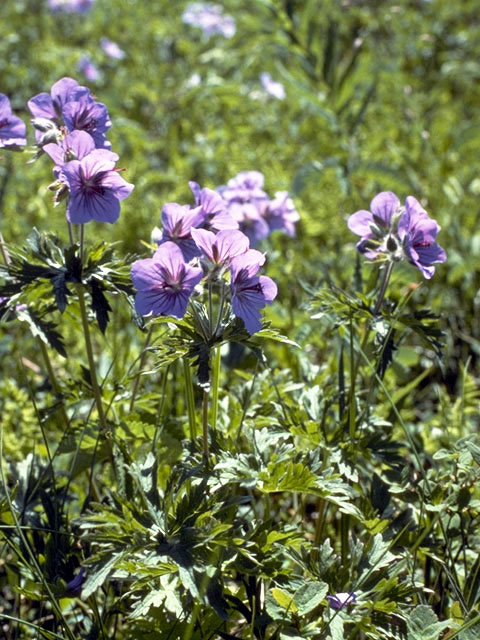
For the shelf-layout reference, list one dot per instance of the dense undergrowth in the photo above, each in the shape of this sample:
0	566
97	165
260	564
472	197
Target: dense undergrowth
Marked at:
190	476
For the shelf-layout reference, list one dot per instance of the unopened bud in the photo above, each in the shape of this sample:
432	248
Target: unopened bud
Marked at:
391	244
61	194
156	235
43	124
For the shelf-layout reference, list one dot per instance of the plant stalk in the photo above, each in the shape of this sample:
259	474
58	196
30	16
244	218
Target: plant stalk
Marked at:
190	399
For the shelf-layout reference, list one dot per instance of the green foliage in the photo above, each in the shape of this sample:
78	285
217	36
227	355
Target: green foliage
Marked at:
343	450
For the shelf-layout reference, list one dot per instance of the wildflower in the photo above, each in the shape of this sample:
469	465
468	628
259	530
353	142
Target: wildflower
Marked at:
221	248
112	49
178	220
374	226
210	18
95	187
275	89
341	600
244	187
214	208
280	213
74	146
88	115
390	231
164	282
50	105
249	291
74	587
88	69
418	231
13	130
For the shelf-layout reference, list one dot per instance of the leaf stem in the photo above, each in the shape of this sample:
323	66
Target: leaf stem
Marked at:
215	385
383	287
190	399
206	453
91	360
141	364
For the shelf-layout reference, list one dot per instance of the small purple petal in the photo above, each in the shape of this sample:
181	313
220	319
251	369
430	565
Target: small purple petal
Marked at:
383	206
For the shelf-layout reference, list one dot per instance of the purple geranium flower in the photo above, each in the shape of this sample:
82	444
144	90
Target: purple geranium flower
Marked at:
164	282
210	18
341	600
221	248
95	188
13	130
178	221
374	226
275	89
50	105
75	146
244	187
74	586
112	49
214	208
281	214
88	68
418	231
88	115
249	291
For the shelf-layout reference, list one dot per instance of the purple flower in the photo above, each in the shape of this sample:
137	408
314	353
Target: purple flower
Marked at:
210	18
178	221
418	231
69	6
75	146
112	49
251	220
249	291
214	208
281	214
275	89
95	187
374	226
220	249
244	187
88	69
13	130
341	600
88	115
50	105
74	587
393	232
164	282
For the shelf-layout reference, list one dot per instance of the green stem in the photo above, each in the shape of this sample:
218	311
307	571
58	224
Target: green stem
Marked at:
91	360
141	364
82	234
206	453
70	233
53	380
215	386
190	399
383	287
220	310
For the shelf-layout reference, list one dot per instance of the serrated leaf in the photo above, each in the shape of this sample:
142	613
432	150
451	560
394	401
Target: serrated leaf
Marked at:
309	596
423	624
97	574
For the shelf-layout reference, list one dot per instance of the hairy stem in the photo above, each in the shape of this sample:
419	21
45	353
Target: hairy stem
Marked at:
206	453
215	385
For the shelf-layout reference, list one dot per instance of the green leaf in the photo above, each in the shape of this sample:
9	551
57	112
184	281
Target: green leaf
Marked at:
423	624
99	573
309	596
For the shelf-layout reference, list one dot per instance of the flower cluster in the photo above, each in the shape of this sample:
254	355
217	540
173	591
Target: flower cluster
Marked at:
392	232
256	214
197	243
12	129
210	18
70	127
